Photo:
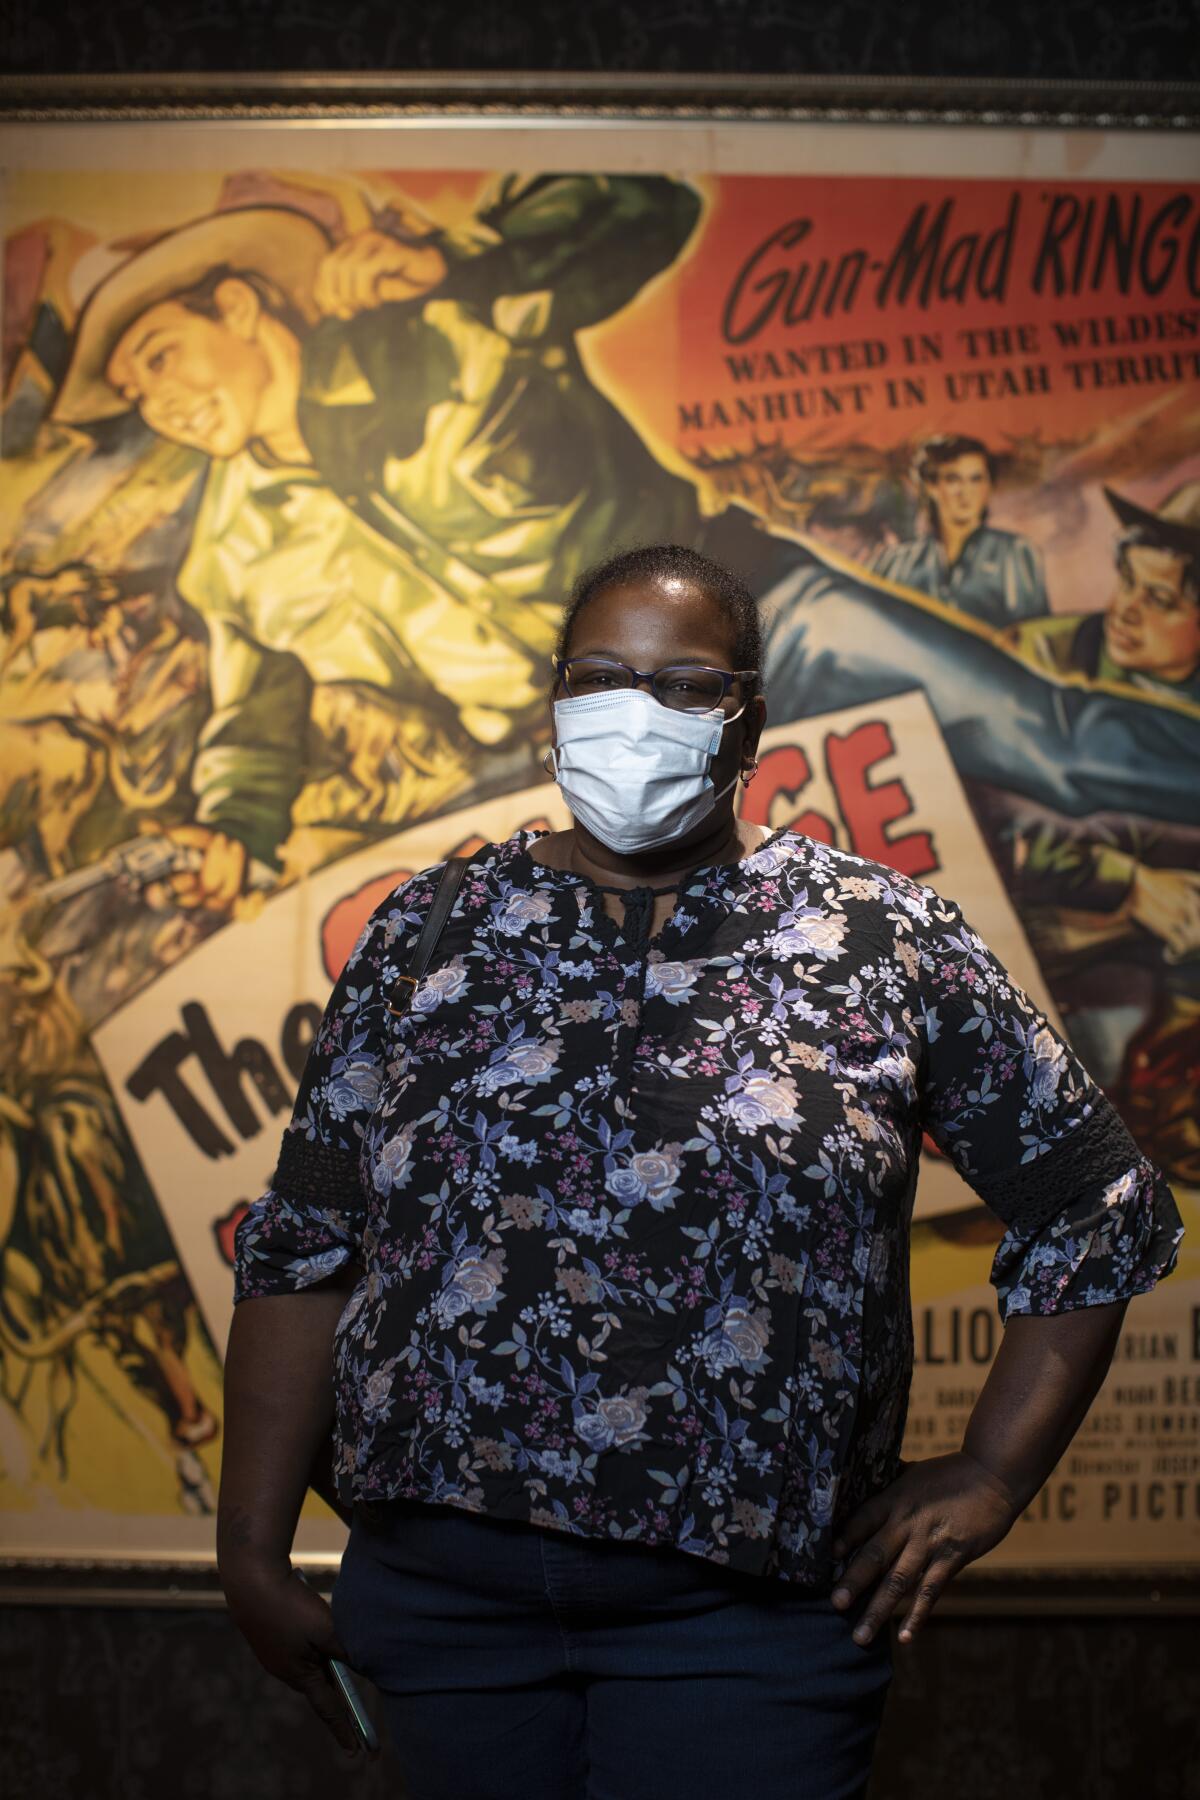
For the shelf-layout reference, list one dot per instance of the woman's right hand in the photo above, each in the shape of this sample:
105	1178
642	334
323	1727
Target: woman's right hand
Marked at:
290	1629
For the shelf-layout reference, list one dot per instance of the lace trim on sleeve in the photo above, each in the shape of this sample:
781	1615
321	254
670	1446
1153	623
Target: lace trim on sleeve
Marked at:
311	1172
1028	1196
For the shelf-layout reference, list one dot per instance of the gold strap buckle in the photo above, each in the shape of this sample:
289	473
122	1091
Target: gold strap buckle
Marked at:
411	982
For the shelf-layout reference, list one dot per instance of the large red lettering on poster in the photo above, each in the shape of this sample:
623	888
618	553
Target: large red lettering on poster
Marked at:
868	810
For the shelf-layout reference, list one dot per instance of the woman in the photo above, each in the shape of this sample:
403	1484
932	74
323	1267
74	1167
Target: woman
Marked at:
622	1201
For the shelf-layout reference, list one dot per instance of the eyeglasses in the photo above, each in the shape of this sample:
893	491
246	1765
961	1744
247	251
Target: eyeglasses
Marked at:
684	687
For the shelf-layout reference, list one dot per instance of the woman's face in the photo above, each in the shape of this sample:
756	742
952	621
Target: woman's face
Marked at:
654	624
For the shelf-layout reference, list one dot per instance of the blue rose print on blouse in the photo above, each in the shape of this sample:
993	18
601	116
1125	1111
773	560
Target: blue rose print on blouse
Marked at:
631	1219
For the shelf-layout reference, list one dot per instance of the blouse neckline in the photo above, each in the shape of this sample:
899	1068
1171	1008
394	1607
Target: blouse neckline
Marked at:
695	878
699	884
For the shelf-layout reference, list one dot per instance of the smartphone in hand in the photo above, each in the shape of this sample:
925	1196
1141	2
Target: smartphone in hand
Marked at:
344	1682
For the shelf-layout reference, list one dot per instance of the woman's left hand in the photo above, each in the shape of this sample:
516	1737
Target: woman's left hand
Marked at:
911	1540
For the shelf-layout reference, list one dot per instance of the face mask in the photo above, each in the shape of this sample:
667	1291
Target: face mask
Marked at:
634	772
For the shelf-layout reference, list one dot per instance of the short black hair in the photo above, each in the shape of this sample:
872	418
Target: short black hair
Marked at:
677	562
947	447
1145	536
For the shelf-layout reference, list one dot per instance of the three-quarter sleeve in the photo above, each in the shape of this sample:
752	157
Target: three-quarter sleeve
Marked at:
309	1222
1089	1219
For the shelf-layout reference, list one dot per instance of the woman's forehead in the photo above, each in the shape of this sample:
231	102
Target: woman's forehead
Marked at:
667	616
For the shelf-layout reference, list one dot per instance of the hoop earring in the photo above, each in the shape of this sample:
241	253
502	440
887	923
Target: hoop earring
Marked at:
749	774
548	761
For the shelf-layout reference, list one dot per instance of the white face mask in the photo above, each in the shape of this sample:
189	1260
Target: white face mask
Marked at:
634	772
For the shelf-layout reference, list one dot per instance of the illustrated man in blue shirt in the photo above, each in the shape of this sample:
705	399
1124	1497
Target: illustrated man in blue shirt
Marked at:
993	575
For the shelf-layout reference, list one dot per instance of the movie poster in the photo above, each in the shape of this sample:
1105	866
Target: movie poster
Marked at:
301	454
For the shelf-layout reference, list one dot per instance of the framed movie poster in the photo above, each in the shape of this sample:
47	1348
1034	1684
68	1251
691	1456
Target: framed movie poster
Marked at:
310	420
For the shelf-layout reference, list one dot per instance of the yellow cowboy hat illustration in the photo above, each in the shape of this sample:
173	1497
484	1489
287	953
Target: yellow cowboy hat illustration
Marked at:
284	245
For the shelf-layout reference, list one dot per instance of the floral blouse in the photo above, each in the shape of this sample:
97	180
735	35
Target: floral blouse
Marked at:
632	1217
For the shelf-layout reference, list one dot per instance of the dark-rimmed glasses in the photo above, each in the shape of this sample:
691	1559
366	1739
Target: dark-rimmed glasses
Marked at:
684	687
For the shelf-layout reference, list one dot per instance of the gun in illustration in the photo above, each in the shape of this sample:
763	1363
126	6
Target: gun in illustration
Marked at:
71	593
140	862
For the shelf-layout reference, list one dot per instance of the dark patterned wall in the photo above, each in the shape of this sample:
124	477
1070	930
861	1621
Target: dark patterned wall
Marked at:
1071	40
141	1704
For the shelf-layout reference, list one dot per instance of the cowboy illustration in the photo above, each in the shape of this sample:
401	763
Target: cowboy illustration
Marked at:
1077	736
408	466
1113	908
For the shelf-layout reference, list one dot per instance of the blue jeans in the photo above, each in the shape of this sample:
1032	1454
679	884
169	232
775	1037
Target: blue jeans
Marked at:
522	1664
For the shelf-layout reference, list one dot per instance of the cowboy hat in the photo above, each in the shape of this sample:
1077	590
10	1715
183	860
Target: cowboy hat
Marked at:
284	245
1176	524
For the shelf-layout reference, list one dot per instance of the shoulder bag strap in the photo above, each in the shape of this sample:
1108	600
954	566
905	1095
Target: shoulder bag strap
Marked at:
449	882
